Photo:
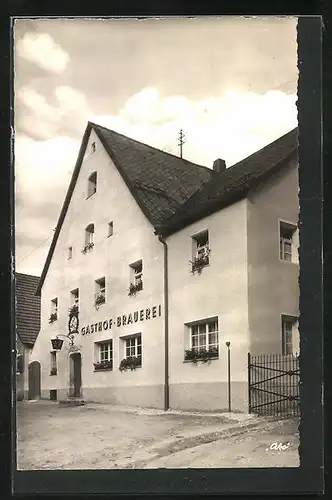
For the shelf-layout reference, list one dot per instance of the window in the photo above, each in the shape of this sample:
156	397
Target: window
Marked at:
75	297
54	306
136	283
289	333
105	351
201	251
70	252
288	233
89	238
100	296
92	184
104	355
93	147
53	363
54	310
133	347
110	228
19	363
204	335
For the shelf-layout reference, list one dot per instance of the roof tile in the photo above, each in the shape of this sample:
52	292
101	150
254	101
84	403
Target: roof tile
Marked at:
27	308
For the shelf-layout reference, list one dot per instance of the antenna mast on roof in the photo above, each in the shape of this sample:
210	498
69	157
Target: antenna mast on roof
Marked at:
181	138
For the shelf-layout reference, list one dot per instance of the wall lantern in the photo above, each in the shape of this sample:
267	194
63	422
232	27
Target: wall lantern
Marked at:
57	342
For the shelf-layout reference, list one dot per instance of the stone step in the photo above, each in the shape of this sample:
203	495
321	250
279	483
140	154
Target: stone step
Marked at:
72	402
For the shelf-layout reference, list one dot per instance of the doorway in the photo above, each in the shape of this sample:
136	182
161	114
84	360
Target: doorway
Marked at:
34	380
75	375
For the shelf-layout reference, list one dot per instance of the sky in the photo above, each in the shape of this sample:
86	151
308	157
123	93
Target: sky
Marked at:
230	83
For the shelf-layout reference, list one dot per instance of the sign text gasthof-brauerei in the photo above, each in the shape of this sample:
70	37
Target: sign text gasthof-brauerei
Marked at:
123	320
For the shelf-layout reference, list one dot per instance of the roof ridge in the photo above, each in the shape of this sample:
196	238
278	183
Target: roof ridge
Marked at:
242	183
152	147
259	151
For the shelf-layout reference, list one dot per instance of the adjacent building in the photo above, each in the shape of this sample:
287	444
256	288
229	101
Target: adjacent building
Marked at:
27	328
157	264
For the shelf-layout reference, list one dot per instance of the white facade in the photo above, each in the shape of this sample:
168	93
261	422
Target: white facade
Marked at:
123	237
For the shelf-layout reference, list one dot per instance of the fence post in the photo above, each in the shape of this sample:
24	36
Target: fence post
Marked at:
249	381
229	376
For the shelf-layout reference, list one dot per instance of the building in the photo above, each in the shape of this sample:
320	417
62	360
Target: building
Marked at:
27	328
157	263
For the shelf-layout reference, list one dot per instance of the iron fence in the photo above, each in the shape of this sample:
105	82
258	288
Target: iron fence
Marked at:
273	384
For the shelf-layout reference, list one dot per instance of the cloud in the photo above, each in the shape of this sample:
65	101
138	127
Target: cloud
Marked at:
42	168
42	173
64	114
42	50
231	126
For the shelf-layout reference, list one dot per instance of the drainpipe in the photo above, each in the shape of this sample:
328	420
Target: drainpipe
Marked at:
166	383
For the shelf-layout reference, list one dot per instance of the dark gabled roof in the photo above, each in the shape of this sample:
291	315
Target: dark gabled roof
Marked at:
234	183
27	308
160	182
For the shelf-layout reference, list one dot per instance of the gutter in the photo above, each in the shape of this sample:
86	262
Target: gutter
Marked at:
166	330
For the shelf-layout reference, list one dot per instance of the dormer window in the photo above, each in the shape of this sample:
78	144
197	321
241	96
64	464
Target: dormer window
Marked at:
92	184
89	238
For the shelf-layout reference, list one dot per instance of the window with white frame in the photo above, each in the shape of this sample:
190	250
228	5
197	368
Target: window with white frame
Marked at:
289	331
105	351
74	294
110	229
204	336
136	282
92	184
70	252
288	242
133	347
104	355
100	293
53	370
201	248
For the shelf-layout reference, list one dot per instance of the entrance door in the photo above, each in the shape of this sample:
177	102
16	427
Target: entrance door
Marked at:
75	375
34	380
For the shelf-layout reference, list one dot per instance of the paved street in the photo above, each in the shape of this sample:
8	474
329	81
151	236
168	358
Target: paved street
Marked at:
50	436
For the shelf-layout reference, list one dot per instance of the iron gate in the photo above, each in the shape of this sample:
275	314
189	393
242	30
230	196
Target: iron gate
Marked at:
273	381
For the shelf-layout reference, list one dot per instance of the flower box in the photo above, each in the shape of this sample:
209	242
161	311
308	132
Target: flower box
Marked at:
100	299
53	317
103	366
199	262
87	247
204	355
133	289
130	363
73	311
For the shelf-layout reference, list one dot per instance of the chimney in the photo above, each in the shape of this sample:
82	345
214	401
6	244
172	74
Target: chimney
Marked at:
219	165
